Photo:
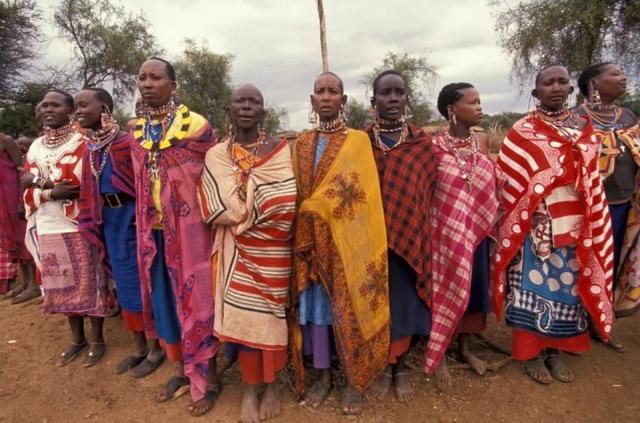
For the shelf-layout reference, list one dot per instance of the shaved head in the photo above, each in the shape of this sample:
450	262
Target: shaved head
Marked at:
247	90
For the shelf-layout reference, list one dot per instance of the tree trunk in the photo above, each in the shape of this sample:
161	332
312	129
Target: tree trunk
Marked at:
323	38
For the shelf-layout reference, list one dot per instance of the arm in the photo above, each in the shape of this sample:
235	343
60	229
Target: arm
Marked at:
13	151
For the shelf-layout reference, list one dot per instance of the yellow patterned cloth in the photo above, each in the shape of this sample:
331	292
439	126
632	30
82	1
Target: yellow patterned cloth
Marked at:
341	242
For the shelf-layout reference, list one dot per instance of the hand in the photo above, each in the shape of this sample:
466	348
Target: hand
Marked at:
64	191
26	180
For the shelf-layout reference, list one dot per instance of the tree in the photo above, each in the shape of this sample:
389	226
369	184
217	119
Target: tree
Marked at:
418	74
276	120
19	31
358	116
574	33
631	100
109	43
204	82
19	116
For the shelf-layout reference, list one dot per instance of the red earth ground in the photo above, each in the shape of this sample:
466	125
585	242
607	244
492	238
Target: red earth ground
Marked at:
32	389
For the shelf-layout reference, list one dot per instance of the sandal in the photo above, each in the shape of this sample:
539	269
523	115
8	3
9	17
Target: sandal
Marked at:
175	388
130	362
67	356
210	396
559	369
146	367
537	371
93	357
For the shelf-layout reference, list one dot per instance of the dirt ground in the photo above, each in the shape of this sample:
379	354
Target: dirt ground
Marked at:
32	389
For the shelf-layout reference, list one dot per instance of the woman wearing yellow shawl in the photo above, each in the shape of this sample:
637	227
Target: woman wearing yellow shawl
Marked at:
340	291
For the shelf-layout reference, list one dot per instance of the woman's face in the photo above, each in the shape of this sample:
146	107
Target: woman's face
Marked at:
467	109
611	83
247	107
391	97
553	87
327	98
154	83
55	110
88	109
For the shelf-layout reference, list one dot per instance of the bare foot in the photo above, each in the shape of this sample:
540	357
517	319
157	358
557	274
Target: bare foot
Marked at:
537	371
249	412
319	391
443	377
381	386
480	366
404	390
352	401
202	407
270	405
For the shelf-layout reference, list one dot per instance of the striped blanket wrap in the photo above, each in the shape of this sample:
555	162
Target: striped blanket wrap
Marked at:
537	158
461	217
252	249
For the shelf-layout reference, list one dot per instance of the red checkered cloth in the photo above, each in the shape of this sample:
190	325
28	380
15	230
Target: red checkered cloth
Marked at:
462	215
536	159
8	266
407	174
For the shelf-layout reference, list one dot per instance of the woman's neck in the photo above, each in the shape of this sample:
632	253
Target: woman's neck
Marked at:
247	136
460	130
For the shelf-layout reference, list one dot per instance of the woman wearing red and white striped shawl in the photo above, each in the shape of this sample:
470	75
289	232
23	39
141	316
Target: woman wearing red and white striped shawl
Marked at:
406	168
617	129
464	211
248	195
554	259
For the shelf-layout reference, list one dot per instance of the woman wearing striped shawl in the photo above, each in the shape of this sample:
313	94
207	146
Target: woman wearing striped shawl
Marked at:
554	259
248	195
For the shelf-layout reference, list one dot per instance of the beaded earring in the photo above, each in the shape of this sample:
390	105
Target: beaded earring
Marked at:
230	127
407	112
313	115
594	95
342	114
106	119
452	118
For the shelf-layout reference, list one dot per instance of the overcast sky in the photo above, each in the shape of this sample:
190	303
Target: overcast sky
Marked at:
276	43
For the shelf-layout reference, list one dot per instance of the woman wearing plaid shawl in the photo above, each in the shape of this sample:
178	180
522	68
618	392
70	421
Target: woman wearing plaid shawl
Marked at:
464	213
554	256
406	169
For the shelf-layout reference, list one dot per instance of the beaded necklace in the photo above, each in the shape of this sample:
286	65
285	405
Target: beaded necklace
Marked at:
404	135
455	144
389	125
608	122
242	175
146	124
332	126
99	147
55	137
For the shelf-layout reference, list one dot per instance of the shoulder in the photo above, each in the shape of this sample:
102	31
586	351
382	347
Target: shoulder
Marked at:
35	147
198	122
356	135
628	117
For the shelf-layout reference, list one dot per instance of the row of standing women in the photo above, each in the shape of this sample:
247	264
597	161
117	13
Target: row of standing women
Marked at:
345	243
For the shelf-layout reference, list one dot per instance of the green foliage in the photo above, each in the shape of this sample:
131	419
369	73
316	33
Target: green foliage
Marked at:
574	33
358	115
204	82
109	43
18	116
631	101
121	117
276	120
503	120
418	74
19	31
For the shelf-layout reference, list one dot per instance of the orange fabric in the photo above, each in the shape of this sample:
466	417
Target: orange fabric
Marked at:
174	353
473	323
527	345
398	348
133	322
260	365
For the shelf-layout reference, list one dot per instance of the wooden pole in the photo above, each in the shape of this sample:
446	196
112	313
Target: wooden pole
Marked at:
323	38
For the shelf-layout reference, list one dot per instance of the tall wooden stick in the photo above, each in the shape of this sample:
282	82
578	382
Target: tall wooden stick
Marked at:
323	38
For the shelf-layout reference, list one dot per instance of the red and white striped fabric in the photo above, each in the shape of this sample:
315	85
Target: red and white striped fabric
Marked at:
8	266
539	162
252	259
461	217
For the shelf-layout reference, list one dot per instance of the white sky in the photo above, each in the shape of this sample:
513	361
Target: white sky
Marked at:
276	43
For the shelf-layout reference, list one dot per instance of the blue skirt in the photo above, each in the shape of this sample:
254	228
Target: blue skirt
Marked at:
163	299
120	238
